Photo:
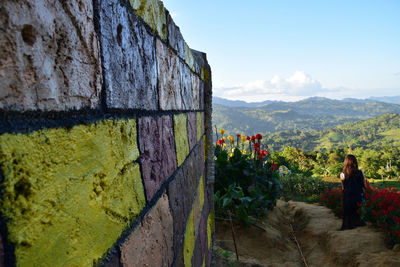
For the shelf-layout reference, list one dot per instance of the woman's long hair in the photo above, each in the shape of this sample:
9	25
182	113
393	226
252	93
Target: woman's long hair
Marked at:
350	165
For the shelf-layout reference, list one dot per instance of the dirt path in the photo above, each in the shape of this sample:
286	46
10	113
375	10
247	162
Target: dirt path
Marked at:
317	232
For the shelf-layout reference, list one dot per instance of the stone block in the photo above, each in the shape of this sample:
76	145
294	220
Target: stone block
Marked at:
156	140
181	193
169	78
151	244
153	13
174	80
198	206
200	125
2	264
189	241
201	60
49	56
186	87
210	228
197	258
175	38
189	58
196	95
181	137
192	129
62	187
129	58
201	95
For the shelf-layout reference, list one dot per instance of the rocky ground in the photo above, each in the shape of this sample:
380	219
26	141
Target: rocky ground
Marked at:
301	234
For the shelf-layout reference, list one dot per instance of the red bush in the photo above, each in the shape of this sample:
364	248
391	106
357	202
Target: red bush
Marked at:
381	208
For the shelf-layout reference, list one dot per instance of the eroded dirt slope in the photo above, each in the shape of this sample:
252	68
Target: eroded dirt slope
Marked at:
316	229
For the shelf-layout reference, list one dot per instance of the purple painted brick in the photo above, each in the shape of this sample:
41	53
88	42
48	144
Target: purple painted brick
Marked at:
181	195
201	157
192	129
203	234
156	141
197	259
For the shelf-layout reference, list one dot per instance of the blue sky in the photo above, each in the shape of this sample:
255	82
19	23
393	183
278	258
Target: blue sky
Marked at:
292	49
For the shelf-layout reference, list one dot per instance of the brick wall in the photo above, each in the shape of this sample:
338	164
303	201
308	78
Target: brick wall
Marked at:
105	137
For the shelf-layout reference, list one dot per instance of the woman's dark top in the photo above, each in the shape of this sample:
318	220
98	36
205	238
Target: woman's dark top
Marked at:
352	198
353	185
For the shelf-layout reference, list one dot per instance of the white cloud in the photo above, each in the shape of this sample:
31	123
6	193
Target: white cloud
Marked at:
298	86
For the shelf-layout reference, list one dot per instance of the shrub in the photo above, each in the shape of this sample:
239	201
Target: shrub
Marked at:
299	186
245	183
381	208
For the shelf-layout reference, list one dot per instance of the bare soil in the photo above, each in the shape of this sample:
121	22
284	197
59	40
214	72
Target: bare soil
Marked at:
316	229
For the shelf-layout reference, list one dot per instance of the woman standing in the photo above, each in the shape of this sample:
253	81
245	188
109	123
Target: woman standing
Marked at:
353	184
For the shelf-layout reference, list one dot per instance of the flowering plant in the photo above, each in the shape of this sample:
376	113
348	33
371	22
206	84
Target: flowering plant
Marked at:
245	180
381	208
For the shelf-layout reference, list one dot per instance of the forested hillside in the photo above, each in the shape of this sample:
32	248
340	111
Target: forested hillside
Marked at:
372	133
307	115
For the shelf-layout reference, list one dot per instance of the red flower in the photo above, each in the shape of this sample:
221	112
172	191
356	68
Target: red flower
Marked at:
238	135
253	139
248	138
256	146
398	233
258	136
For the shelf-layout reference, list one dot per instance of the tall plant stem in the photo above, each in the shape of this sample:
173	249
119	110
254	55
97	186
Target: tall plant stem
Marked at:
233	236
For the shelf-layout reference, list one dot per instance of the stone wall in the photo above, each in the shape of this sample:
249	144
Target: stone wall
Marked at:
105	137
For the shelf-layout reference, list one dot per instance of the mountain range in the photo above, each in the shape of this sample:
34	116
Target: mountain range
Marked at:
307	115
373	133
241	103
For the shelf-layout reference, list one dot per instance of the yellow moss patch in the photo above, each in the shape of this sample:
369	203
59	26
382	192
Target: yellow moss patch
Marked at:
69	193
181	137
205	74
153	13
200	124
189	241
189	58
210	227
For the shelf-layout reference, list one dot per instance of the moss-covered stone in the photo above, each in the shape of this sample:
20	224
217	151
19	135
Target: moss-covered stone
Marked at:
153	13
69	193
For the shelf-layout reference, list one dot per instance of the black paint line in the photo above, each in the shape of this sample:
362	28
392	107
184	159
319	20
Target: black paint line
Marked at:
30	121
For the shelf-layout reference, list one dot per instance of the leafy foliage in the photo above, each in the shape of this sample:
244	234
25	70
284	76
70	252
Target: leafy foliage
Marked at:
371	133
243	185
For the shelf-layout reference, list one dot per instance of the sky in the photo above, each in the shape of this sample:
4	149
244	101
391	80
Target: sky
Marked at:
293	49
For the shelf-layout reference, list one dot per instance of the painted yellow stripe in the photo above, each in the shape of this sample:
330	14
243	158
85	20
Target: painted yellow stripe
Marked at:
69	193
189	241
181	137
200	125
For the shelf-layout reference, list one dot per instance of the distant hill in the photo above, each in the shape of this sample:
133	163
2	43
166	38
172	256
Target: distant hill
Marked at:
239	103
307	115
387	99
371	133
